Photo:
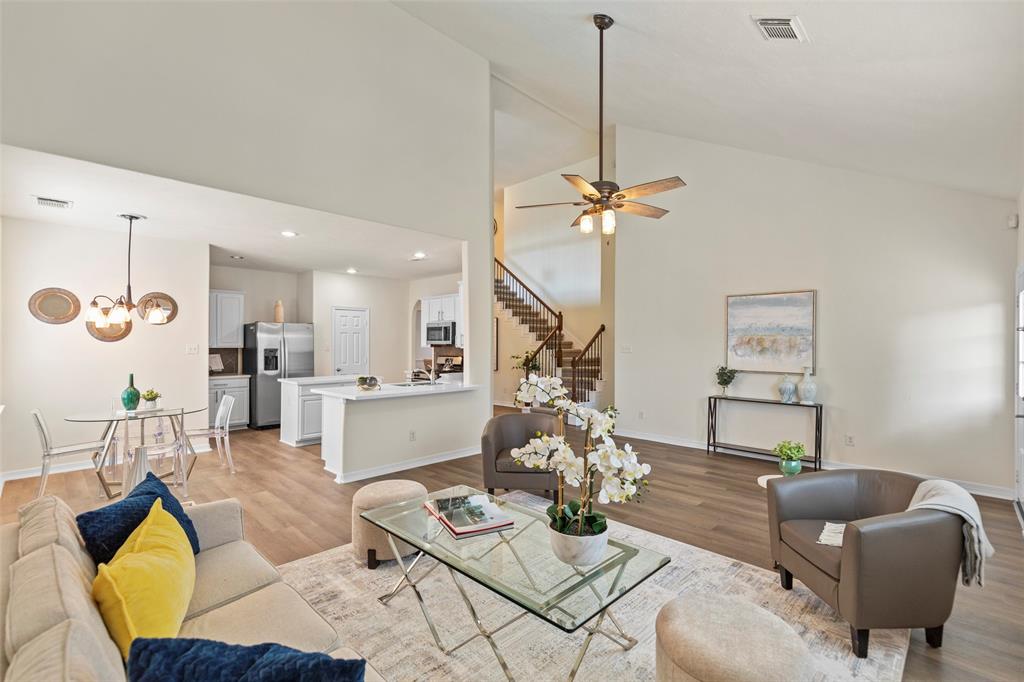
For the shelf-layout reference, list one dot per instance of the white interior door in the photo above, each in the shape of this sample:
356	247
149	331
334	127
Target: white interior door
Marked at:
1019	397
351	340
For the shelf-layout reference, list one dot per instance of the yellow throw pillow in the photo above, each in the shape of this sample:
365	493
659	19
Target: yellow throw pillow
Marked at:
145	589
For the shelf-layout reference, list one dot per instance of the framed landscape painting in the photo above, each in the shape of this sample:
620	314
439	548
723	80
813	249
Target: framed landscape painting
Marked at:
770	332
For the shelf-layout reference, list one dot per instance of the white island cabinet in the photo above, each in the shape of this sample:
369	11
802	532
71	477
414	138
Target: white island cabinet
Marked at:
372	433
301	408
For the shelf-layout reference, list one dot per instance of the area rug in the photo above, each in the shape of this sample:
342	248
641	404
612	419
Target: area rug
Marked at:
396	641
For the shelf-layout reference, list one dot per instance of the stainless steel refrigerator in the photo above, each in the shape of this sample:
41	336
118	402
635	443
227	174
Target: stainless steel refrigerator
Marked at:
274	350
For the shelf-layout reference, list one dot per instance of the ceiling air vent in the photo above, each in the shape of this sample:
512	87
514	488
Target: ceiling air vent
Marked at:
781	28
54	203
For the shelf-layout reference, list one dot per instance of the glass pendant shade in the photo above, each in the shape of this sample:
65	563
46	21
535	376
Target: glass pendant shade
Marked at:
94	314
608	221
586	224
119	313
102	322
156	315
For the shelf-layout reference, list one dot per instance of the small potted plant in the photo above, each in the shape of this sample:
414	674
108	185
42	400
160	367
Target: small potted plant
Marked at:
578	534
790	453
151	396
725	377
519	362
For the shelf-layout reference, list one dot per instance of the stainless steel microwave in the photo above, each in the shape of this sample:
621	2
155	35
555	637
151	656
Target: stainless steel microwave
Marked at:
440	333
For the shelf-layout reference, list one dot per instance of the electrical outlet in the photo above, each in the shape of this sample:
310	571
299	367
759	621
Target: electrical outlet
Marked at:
412	436
849	441
191	349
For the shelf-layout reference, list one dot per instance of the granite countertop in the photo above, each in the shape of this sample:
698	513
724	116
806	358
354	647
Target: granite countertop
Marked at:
393	391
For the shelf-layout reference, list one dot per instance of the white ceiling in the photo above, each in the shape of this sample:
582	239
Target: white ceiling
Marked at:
930	91
233	224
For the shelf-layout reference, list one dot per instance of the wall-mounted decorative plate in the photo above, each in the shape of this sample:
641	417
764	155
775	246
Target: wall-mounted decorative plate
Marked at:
114	332
54	305
163	300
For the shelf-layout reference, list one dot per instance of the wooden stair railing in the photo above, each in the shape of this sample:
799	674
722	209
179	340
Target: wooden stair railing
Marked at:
538	315
586	367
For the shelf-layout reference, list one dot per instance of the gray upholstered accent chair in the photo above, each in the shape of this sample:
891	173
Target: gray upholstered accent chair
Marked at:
507	431
896	568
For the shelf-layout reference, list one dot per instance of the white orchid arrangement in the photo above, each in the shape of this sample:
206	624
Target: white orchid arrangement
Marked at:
622	475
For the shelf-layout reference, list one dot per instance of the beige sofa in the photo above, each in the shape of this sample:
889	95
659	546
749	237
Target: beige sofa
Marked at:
52	629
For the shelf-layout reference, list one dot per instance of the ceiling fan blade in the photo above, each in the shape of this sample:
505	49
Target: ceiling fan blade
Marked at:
636	208
649	188
563	203
584	187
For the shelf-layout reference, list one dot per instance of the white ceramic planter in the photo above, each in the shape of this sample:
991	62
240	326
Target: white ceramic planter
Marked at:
578	550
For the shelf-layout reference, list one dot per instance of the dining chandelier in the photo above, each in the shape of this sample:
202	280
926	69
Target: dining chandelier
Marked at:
120	309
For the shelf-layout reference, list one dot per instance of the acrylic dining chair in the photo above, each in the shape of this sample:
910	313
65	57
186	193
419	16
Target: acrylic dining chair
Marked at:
220	433
51	452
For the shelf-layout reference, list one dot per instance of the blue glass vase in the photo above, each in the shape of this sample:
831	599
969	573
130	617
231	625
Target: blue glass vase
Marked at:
130	396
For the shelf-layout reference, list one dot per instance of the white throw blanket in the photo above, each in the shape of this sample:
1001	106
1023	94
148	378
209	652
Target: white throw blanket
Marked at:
832	534
949	497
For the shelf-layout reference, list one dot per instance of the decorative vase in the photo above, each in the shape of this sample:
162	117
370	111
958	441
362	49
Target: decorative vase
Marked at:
130	396
808	389
279	311
790	467
578	550
787	390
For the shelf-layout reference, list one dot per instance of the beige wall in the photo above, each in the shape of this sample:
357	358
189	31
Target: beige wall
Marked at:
262	288
61	369
914	349
223	113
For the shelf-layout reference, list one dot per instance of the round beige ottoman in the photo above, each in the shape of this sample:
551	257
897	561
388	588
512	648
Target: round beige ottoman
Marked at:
714	638
367	539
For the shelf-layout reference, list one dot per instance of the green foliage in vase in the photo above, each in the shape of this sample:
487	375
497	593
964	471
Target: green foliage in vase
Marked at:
725	375
519	362
790	450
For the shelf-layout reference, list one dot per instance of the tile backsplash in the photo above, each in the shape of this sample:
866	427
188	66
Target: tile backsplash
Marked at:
232	359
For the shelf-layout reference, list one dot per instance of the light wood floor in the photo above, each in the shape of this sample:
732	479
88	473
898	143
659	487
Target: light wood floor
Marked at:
294	509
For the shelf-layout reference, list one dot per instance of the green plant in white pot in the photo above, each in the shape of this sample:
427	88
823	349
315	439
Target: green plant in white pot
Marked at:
790	455
579	535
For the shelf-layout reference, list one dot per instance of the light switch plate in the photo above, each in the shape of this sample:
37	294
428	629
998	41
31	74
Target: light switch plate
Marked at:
191	349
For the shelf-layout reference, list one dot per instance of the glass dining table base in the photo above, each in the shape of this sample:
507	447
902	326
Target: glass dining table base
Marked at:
101	459
619	637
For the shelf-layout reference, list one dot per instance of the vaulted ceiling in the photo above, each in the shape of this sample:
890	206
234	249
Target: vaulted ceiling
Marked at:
929	91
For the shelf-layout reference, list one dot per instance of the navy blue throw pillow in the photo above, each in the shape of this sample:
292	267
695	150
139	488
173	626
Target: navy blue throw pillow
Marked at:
105	530
204	660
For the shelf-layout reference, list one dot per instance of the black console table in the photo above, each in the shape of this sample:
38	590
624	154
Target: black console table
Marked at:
714	443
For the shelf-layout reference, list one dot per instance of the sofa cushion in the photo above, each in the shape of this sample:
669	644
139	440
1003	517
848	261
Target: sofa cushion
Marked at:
179	660
65	652
8	555
227	572
369	675
49	520
106	529
145	590
274	614
802	536
48	588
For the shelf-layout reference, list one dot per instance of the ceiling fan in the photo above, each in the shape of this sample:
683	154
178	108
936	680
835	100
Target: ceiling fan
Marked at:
603	197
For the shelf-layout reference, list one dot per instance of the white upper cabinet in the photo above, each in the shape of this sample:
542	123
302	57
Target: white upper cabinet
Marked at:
446	308
226	319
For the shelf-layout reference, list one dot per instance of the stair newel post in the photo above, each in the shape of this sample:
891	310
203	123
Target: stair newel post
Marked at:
558	340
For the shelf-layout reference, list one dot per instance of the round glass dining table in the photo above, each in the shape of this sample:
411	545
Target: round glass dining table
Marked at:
174	415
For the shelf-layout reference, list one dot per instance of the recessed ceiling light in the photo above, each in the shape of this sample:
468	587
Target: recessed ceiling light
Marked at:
238	258
289	233
419	255
351	271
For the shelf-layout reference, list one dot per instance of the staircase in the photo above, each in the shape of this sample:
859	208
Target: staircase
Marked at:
579	368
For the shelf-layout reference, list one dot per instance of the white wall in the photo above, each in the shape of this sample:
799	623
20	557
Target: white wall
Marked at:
262	288
61	369
914	349
387	300
335	117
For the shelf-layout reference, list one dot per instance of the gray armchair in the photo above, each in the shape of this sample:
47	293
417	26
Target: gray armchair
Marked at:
896	568
507	431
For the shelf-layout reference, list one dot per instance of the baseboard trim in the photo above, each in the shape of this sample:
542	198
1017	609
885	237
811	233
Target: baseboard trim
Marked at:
984	489
373	472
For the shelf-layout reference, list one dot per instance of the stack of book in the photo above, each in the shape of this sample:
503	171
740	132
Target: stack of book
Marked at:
466	516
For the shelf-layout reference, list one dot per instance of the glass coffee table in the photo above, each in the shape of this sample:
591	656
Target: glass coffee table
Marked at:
518	565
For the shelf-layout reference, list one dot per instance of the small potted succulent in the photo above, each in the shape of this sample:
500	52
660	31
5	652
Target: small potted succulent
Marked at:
790	453
578	534
725	377
150	397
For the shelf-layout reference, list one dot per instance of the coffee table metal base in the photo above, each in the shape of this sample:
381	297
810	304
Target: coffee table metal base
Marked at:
620	637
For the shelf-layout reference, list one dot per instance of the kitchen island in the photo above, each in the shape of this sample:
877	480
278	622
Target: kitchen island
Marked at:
398	427
301	408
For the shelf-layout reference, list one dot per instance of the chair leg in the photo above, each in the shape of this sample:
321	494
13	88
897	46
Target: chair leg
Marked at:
371	559
490	491
859	639
786	578
44	472
220	451
933	636
227	451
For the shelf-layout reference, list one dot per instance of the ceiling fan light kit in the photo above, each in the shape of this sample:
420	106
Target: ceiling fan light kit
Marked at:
603	197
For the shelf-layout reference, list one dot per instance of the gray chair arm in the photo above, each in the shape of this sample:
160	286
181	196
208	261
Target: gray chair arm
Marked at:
217	523
819	495
900	570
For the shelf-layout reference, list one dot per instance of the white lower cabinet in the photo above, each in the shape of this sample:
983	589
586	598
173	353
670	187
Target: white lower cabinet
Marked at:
310	417
237	388
302	410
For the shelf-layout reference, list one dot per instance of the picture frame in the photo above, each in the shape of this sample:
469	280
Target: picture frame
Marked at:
771	333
